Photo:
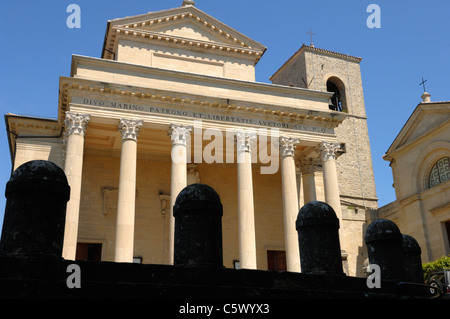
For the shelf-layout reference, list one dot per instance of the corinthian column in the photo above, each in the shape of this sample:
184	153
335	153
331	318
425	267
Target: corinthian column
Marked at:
75	131
330	179
179	136
246	214
307	167
127	190
290	201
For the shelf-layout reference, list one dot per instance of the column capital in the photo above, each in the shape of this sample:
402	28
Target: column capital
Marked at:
287	145
179	134
308	165
130	128
244	140
328	150
76	123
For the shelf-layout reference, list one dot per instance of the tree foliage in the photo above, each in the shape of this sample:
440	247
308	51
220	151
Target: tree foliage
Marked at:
438	264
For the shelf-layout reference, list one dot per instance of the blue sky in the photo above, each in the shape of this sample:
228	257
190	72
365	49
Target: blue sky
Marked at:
413	42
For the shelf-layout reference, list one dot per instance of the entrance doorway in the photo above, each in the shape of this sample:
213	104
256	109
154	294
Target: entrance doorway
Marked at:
89	251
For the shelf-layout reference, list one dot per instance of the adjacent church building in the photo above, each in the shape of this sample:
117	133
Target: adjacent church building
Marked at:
173	101
419	158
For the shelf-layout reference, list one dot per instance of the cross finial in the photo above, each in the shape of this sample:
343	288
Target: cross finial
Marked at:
311	36
423	83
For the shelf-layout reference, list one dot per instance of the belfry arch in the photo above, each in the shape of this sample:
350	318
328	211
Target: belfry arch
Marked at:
337	101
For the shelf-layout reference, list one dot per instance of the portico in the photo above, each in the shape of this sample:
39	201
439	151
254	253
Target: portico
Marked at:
140	133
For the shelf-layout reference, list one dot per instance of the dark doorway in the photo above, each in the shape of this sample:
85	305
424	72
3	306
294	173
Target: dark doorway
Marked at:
89	251
276	260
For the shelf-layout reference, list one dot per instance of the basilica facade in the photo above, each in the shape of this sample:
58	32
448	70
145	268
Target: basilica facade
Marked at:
173	101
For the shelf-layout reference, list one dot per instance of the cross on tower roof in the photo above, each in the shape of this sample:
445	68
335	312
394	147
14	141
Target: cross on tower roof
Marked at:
311	36
423	83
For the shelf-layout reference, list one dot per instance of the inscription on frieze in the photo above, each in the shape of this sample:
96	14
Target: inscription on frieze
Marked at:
200	115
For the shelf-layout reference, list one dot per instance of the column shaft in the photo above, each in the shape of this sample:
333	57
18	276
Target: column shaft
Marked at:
127	191
330	180
179	136
75	126
331	186
246	214
307	167
290	203
300	185
309	188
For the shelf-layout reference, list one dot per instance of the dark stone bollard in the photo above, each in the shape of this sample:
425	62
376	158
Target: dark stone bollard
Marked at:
35	214
412	263
384	247
198	227
318	238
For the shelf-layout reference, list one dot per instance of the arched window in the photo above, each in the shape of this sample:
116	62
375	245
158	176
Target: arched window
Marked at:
336	86
440	172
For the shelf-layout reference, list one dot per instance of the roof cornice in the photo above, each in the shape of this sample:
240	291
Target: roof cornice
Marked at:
420	109
308	48
143	35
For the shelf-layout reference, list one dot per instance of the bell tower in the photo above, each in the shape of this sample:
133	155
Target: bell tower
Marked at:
322	70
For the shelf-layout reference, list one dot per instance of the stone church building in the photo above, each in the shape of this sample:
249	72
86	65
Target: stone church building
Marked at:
419	159
173	101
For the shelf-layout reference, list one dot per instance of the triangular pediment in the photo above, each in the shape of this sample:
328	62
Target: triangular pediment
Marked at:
188	29
426	118
185	25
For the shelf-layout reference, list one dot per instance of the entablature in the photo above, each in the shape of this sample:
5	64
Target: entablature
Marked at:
165	104
30	127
